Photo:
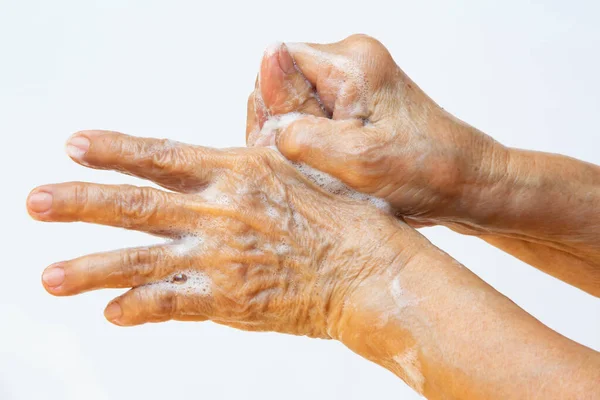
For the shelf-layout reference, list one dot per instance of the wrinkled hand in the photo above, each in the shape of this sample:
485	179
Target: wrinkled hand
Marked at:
254	244
366	123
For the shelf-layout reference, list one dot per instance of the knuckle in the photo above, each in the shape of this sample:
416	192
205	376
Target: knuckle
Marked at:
294	139
138	206
176	159
366	166
139	264
166	155
362	40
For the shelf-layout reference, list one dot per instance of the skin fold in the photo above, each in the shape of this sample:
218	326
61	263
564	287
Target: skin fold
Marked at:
367	124
255	245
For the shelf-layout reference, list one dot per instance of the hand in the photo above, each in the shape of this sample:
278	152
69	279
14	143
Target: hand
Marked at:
254	244
369	125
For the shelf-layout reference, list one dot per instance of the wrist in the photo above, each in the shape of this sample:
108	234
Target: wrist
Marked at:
484	167
364	301
378	320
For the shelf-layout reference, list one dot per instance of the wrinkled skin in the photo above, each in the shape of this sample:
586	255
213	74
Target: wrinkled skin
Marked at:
273	248
363	121
267	250
367	124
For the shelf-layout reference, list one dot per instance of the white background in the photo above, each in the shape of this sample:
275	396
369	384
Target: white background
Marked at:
524	72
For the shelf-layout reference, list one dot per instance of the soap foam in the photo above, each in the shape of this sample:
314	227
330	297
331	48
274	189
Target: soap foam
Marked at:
266	136
411	368
213	195
282	249
319	178
401	299
197	283
185	245
337	187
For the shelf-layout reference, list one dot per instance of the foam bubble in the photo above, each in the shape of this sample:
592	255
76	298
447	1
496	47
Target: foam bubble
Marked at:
319	178
196	283
272	212
335	186
213	195
266	136
186	245
282	248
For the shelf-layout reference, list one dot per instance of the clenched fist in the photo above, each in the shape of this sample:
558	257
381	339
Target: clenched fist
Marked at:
363	121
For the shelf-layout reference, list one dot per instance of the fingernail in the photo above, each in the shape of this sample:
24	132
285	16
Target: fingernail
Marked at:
39	202
286	63
113	312
77	146
53	276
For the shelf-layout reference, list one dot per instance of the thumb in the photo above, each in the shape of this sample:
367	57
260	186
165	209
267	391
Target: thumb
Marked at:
333	147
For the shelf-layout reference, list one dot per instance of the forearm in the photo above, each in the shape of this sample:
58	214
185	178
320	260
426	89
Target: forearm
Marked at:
450	335
540	207
546	197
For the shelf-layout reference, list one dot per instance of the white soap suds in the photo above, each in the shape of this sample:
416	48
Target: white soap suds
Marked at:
273	125
401	299
186	245
213	195
319	178
282	249
272	212
411	367
196	283
335	186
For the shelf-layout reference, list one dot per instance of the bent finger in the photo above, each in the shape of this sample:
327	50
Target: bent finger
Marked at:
159	302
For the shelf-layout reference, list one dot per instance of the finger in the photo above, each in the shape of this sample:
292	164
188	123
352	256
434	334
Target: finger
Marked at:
118	269
173	165
337	73
283	87
256	117
159	302
334	147
131	207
